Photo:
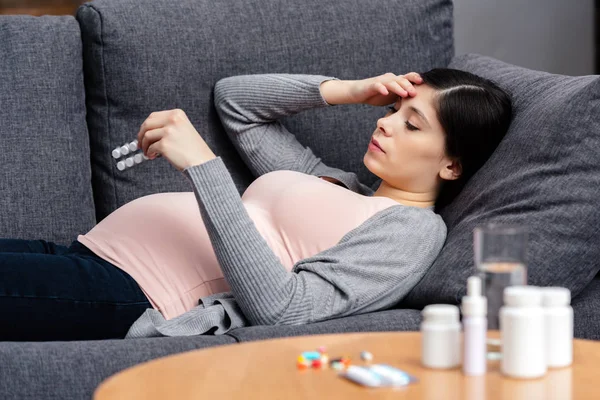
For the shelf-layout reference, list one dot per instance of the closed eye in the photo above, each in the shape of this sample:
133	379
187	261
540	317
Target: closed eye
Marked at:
410	126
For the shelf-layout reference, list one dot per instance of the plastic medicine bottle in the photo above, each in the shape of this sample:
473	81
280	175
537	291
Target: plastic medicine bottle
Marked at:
559	326
440	332
474	310
522	331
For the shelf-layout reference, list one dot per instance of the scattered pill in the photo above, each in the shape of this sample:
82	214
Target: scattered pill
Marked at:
311	355
316	364
366	356
338	366
325	359
322	349
301	365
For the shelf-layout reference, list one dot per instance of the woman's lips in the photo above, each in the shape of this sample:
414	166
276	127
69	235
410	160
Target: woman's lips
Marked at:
375	146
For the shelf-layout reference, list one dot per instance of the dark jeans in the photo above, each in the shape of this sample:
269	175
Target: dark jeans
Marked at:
53	292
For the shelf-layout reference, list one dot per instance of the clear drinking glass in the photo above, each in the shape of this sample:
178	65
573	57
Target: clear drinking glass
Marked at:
500	257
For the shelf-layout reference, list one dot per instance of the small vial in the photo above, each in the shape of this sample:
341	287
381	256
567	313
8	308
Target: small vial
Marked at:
440	331
474	309
129	162
124	150
121	165
522	333
558	315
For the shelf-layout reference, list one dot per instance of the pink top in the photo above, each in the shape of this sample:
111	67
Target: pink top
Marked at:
160	239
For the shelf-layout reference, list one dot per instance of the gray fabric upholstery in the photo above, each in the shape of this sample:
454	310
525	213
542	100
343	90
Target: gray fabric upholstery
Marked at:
142	57
73	370
44	149
544	174
388	320
586	307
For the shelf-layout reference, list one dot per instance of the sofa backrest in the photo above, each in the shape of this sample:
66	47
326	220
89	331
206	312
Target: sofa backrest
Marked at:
45	189
145	56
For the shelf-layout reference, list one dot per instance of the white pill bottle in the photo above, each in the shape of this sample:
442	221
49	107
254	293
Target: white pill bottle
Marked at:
522	330
559	326
440	336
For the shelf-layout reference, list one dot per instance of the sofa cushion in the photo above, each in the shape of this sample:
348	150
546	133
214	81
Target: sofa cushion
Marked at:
45	176
388	320
140	58
586	308
544	174
73	370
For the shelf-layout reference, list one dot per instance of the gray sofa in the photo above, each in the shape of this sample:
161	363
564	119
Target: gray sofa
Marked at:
74	88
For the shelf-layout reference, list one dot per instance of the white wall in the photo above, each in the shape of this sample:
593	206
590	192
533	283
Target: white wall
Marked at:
550	35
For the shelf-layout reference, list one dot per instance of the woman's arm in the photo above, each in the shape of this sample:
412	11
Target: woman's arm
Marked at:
250	106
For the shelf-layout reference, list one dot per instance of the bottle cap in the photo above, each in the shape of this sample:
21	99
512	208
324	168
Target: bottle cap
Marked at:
523	296
474	304
442	313
556	296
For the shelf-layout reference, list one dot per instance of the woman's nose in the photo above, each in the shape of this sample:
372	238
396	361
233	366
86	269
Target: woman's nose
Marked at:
381	126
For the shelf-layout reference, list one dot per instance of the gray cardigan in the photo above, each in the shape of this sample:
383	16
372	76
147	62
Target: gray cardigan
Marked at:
371	268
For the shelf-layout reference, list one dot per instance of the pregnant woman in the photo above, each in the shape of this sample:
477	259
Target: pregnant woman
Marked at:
305	243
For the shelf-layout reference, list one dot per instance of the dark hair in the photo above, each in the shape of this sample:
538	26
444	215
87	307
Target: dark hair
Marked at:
475	114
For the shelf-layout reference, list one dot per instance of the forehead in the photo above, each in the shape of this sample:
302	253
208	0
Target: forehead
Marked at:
424	100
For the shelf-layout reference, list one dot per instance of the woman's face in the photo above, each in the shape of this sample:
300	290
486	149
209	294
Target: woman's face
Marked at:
412	139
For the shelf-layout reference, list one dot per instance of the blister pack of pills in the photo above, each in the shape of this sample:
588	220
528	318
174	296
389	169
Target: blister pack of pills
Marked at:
378	375
132	159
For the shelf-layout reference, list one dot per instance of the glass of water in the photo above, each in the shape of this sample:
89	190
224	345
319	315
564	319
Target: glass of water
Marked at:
500	257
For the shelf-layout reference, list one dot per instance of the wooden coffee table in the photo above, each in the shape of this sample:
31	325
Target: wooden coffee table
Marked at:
267	370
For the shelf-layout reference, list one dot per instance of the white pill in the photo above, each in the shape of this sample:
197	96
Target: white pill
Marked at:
129	161
125	150
121	165
138	158
116	153
133	146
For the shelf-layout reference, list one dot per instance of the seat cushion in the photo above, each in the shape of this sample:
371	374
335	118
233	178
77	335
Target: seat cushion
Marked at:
139	59
73	370
45	175
586	308
545	174
388	320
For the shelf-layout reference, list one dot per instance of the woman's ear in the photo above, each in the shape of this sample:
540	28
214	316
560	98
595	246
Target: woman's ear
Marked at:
451	171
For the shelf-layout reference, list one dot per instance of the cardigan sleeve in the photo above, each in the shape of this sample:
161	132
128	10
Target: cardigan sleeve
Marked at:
371	268
249	107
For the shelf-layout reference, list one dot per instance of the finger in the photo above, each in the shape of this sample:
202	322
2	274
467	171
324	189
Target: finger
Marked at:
396	88
380	87
151	137
157	119
414	77
155	150
406	85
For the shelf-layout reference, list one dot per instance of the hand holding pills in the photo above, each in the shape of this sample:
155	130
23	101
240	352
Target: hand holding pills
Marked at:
170	134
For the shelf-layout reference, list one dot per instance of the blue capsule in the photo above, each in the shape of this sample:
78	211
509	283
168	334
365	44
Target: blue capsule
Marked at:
311	355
